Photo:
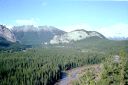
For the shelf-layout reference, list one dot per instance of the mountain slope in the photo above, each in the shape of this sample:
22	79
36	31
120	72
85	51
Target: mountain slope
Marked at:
8	41
7	34
29	34
75	36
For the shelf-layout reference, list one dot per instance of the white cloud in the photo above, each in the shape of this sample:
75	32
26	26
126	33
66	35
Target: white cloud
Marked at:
27	22
117	30
9	26
76	26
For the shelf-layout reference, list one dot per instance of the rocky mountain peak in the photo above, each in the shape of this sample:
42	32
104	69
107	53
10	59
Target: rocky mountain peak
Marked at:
7	34
75	35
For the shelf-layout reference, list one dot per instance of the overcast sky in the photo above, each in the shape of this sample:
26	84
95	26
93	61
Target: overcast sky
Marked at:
108	17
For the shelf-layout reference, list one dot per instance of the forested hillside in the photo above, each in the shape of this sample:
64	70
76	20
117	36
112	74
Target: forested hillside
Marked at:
112	71
11	46
43	66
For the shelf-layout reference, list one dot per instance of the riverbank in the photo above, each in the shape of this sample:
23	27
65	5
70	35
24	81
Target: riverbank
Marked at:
74	74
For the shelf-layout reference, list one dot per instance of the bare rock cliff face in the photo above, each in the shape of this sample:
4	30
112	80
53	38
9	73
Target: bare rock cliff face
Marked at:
7	34
75	36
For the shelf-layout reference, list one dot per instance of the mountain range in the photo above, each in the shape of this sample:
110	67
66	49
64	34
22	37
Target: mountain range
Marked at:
29	34
34	35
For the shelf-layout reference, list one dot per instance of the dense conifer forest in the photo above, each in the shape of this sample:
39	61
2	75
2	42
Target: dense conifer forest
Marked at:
44	66
112	71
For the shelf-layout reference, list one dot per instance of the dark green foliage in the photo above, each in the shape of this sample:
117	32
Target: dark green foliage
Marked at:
10	47
4	42
41	66
44	66
115	73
